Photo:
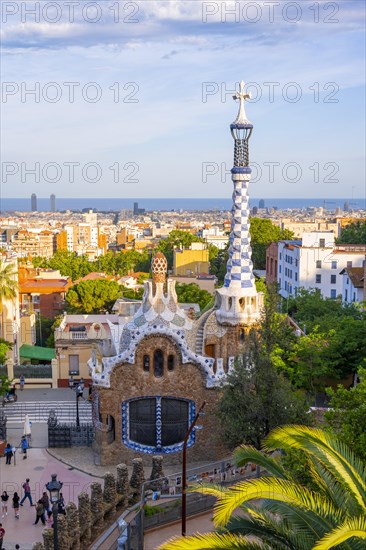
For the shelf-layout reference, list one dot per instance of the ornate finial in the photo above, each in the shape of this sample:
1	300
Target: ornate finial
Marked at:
242	96
159	268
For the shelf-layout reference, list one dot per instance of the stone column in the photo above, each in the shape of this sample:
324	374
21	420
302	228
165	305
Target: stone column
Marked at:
73	527
109	492
96	506
137	477
84	517
48	539
122	486
63	535
157	473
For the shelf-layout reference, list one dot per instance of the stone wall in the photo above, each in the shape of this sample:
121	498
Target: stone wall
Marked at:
186	381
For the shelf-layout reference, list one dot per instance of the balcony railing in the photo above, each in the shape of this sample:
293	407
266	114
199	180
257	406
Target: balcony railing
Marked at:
73	335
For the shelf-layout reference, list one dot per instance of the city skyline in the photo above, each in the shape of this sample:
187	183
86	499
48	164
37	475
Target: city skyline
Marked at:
166	74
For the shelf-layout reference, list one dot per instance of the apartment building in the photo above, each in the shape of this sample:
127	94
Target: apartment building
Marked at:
315	262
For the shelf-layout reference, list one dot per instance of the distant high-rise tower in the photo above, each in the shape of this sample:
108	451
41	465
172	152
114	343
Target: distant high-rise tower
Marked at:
53	203
261	203
34	202
238	301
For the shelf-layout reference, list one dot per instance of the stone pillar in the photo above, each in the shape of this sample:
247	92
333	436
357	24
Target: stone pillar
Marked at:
63	535
84	517
96	505
10	368
73	526
157	473
137	478
109	493
122	486
54	366
48	539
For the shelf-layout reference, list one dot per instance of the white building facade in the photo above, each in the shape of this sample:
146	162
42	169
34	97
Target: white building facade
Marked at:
315	262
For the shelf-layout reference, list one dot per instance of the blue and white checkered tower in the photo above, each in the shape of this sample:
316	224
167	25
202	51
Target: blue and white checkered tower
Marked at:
238	301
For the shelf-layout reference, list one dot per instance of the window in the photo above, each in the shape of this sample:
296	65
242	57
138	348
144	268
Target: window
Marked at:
346	295
146	363
318	279
158	363
334	264
333	279
280	269
157	424
349	264
73	364
295	276
318	264
171	362
333	293
322	243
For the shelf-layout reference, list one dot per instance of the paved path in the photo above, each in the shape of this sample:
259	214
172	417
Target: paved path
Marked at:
38	467
198	524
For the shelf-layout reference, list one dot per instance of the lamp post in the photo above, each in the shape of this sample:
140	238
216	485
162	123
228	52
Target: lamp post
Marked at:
184	469
54	487
77	395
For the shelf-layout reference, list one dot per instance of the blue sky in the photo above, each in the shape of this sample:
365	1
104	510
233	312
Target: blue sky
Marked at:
170	131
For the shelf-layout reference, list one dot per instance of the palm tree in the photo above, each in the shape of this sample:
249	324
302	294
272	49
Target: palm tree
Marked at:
8	287
278	514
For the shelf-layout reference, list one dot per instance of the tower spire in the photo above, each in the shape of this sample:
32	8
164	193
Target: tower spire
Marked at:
238	301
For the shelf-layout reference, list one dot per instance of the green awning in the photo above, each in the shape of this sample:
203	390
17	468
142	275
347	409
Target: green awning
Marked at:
36	352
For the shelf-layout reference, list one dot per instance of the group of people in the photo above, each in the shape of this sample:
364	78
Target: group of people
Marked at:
43	507
10	450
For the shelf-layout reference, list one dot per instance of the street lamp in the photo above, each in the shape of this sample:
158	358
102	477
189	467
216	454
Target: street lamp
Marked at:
184	469
78	394
54	487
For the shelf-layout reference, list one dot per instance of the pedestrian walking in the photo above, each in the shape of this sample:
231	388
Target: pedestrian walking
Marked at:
24	446
46	504
8	453
4	504
27	493
40	513
27	429
16	505
21	381
2	534
61	504
79	391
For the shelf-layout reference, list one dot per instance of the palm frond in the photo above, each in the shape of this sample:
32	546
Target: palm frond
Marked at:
213	541
330	451
208	489
273	489
246	453
355	527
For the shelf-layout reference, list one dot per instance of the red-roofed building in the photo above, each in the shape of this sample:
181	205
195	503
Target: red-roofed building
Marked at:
43	292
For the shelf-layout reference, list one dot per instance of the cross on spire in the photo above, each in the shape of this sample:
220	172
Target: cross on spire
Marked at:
242	96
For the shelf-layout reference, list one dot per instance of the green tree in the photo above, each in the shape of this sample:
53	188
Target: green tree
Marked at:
347	414
50	341
8	288
44	330
5	346
263	232
257	398
279	514
354	233
96	296
192	294
5	384
69	264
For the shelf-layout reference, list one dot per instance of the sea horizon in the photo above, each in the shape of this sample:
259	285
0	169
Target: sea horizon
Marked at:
170	204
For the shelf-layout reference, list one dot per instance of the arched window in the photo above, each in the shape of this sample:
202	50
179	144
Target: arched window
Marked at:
158	363
157	424
146	363
242	335
230	303
171	362
242	303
